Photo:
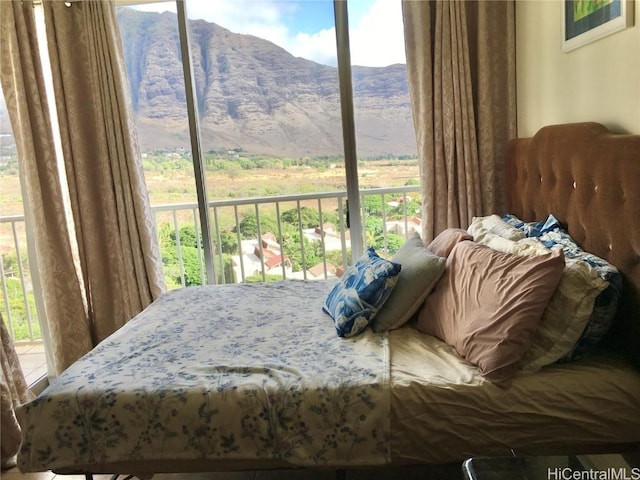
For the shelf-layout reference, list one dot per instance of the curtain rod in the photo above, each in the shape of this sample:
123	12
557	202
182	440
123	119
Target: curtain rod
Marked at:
68	3
118	3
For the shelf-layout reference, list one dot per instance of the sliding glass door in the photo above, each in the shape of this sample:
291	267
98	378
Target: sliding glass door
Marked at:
279	128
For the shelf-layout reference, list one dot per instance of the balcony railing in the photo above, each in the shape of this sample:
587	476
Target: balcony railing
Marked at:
254	239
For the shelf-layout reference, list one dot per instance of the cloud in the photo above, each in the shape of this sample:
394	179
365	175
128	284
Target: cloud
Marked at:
376	34
319	47
377	37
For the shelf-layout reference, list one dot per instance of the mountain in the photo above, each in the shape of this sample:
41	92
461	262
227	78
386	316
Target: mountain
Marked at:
254	95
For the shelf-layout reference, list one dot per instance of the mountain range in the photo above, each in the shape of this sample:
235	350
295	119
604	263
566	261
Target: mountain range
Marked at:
254	95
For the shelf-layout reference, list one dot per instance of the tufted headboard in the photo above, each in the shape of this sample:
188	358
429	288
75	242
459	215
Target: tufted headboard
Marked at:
589	178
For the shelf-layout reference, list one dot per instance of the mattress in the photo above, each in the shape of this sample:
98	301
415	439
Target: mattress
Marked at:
443	410
250	372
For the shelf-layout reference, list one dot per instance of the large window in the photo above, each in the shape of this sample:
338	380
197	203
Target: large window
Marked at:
276	137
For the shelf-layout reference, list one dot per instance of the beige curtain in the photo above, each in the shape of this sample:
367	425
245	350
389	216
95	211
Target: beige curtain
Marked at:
24	90
461	69
13	392
112	231
119	254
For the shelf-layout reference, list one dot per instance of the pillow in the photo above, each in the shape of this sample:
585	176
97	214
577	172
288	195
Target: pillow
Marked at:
532	229
447	239
566	316
525	246
488	305
480	226
361	291
421	269
551	234
606	303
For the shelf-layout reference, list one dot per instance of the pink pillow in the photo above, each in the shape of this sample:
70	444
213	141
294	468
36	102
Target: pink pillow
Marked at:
447	239
488	305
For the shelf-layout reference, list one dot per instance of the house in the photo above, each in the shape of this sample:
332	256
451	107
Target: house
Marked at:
329	234
401	227
258	256
319	270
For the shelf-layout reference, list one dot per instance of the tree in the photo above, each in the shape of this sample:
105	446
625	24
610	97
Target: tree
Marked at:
373	205
228	242
187	236
190	264
394	242
291	248
249	226
308	217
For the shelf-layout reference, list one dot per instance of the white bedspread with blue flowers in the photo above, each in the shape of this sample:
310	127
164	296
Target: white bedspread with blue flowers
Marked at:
239	371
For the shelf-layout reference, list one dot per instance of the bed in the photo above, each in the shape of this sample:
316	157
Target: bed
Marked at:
200	381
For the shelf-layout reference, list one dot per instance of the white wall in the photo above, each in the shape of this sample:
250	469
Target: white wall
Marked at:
596	82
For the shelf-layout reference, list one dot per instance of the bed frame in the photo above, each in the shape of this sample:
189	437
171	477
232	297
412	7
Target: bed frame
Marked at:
589	178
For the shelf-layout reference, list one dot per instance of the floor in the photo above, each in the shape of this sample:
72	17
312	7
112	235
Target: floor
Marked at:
32	360
448	472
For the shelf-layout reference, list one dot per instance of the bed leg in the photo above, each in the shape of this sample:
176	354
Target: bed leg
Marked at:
341	474
88	476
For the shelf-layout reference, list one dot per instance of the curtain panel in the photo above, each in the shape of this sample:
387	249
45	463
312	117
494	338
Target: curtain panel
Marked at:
97	252
115	230
13	392
24	89
461	70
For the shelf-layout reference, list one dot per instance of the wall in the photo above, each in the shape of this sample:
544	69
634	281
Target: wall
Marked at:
596	82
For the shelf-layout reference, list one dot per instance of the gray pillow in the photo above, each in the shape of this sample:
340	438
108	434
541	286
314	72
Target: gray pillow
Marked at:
420	272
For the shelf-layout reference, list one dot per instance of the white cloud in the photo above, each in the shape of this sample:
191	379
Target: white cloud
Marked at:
376	38
319	47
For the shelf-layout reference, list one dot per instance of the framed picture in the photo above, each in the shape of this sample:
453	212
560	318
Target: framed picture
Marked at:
587	20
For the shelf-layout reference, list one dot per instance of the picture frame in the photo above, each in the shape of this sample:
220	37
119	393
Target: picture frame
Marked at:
584	21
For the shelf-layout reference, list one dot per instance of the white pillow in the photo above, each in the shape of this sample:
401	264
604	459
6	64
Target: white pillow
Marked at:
565	317
481	226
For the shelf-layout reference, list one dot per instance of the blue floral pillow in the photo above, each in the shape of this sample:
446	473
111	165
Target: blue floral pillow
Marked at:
361	292
551	234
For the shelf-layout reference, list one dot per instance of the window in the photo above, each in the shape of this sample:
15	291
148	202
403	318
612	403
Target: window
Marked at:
385	137
264	134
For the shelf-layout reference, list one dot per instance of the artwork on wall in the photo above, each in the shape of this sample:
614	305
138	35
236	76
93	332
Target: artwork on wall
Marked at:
587	20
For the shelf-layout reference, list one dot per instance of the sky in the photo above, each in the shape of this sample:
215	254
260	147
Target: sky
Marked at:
305	28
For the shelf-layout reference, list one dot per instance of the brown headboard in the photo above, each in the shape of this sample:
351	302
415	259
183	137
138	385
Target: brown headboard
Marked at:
589	178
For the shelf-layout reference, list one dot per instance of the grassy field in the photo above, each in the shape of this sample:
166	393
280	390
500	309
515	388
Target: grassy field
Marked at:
172	182
260	182
177	185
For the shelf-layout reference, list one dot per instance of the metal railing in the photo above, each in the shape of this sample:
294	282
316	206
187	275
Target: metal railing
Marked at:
18	301
254	239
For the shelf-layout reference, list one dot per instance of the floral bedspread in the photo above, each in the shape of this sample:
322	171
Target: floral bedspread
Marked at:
238	371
